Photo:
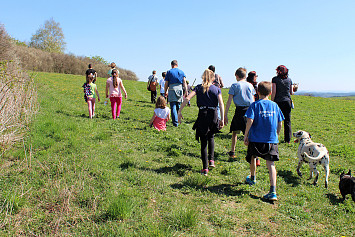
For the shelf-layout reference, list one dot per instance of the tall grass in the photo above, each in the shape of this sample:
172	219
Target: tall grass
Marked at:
81	177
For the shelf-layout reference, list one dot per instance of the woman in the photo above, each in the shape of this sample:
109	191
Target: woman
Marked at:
206	125
282	90
114	86
252	80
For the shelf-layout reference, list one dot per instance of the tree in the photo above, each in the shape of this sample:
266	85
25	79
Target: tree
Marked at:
49	37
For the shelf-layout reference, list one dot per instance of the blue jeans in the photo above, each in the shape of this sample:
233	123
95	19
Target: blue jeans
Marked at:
175	106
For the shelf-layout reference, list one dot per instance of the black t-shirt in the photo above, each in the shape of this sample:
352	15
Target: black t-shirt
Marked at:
282	89
90	71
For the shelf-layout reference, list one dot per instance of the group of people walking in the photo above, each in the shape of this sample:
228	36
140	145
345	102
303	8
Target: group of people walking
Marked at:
257	117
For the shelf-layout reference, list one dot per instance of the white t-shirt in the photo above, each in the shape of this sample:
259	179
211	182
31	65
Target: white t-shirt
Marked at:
162	113
162	84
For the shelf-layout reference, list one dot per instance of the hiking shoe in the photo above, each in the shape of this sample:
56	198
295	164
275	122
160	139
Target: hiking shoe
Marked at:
257	162
204	172
271	197
249	181
211	163
231	154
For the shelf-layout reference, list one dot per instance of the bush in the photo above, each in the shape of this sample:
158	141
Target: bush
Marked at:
17	94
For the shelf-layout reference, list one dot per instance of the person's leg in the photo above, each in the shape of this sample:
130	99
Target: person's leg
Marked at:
286	111
210	140
93	107
174	115
272	172
204	156
251	179
113	107
119	103
154	97
234	140
89	101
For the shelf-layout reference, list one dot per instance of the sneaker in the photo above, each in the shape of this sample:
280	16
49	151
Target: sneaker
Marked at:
271	197
231	154
249	181
257	162
204	172
211	163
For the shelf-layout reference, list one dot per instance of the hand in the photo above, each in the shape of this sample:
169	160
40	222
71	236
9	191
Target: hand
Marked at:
125	95
246	140
225	120
179	117
221	124
98	99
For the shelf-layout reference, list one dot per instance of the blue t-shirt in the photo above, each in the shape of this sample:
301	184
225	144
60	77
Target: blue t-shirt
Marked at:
266	115
175	75
209	98
243	93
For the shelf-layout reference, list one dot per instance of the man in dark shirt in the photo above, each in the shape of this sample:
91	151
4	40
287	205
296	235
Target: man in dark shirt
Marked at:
91	71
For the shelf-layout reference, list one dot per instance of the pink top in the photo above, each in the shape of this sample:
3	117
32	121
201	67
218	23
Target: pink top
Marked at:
161	118
114	92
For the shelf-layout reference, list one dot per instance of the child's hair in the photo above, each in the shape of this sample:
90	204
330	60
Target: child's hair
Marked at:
114	78
207	79
161	102
89	78
241	72
163	74
113	65
154	72
264	88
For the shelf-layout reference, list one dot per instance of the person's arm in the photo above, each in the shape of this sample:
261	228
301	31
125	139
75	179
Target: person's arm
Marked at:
185	86
152	119
221	82
166	86
221	110
246	135
186	100
230	98
97	92
124	90
279	125
168	117
148	82
291	90
273	92
107	86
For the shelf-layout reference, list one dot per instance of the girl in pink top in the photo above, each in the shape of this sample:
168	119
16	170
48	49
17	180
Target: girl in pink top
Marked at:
113	86
161	114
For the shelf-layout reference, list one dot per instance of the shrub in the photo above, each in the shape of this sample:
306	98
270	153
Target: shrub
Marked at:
17	94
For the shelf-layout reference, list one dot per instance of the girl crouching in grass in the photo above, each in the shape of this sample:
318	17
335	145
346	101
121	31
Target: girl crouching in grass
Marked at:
161	114
113	86
207	124
90	92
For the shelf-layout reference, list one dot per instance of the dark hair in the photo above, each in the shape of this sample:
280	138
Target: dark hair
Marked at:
212	68
264	88
251	76
161	102
113	65
163	74
241	72
89	78
282	71
174	63
89	65
154	72
114	78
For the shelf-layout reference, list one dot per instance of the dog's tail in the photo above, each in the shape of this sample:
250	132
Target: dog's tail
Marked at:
320	156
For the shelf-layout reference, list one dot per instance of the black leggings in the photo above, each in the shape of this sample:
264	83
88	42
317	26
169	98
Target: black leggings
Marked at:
209	139
285	107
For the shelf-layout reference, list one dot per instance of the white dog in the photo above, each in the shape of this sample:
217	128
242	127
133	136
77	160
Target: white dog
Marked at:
312	153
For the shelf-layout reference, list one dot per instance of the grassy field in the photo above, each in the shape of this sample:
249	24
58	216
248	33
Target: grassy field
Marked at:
78	177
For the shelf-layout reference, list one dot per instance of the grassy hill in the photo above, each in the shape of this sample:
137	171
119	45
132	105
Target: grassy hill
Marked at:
78	177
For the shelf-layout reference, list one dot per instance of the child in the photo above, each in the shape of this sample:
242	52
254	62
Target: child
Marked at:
264	120
90	90
114	85
162	84
161	114
242	94
206	125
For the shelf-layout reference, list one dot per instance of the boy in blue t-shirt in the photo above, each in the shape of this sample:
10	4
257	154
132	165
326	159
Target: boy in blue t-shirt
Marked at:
264	120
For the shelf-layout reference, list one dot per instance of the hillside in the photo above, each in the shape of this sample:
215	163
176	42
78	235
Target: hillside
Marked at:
78	177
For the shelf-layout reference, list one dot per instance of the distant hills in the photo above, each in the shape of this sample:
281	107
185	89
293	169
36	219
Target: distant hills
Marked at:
325	94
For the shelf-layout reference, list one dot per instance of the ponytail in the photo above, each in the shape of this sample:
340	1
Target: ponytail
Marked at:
207	79
114	78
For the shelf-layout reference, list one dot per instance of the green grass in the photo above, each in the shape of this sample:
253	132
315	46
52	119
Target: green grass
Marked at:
80	177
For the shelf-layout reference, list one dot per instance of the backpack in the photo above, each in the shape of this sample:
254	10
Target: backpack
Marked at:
153	84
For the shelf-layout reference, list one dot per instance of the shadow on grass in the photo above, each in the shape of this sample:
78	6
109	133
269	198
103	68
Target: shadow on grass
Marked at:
261	199
334	200
289	177
178	169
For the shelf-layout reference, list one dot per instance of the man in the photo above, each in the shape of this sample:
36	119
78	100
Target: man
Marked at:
91	71
175	85
217	82
152	84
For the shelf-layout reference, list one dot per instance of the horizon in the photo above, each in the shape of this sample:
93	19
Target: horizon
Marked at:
313	40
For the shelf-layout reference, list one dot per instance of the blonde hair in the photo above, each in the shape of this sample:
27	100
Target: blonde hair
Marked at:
161	102
207	79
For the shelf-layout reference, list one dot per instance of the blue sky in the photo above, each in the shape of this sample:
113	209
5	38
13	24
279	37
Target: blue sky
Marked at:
314	38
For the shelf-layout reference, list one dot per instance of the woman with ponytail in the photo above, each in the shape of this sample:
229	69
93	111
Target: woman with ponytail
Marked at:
282	90
207	123
114	86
